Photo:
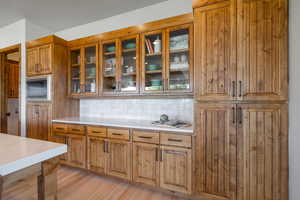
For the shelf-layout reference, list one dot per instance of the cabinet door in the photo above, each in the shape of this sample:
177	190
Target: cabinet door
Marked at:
75	71
262	152
215	65
119	159
38	120
96	159
32	61
153	62
215	149
16	78
262	49
110	67
179	57
45	60
176	169
90	71
77	150
129	66
32	121
145	164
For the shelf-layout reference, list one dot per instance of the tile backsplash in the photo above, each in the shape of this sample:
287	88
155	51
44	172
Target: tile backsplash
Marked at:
142	109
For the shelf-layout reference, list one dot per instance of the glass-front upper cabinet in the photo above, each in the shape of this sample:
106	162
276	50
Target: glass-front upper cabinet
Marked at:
109	67
179	59
153	62
129	81
84	70
75	71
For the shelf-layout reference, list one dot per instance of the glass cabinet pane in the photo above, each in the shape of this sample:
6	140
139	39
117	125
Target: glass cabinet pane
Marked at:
153	62
179	56
75	71
109	67
128	65
90	69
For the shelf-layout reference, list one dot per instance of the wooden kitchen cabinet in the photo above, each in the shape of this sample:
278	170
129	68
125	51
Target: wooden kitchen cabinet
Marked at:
39	60
62	140
167	70
83	73
262	49
119	163
77	150
146	163
176	169
96	154
13	75
120	66
38	120
262	152
215	149
215	74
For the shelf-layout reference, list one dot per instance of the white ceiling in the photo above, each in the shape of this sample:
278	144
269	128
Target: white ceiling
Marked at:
56	15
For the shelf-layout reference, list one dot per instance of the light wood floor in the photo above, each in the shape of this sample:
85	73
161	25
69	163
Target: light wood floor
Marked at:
80	185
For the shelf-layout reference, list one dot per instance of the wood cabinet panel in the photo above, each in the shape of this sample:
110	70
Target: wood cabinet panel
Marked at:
176	169
96	156
32	59
120	134
262	49
38	120
215	67
97	131
176	140
119	159
45	59
145	163
215	149
12	78
146	137
262	152
77	150
62	140
76	129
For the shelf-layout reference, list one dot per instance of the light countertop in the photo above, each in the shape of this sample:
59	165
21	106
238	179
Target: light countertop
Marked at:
124	123
17	153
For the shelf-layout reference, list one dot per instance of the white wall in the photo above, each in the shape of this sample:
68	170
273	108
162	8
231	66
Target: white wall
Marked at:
294	107
155	12
34	31
12	34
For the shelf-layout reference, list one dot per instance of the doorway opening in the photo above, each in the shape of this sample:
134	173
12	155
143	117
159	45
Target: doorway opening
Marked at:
10	89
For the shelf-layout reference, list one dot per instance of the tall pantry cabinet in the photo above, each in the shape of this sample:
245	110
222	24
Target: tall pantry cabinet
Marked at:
48	56
241	93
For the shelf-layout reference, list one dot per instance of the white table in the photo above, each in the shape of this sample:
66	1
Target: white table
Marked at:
23	157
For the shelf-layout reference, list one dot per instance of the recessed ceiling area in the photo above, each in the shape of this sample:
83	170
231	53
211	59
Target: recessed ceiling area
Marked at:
56	15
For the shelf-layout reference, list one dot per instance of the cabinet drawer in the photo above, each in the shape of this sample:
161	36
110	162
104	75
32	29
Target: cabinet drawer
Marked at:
97	131
176	140
56	127
147	137
122	134
76	129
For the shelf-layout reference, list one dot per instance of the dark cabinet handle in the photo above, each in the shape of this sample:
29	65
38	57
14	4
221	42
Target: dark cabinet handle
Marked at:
107	147
240	115
233	88
241	90
176	152
161	155
156	154
59	128
174	140
145	137
73	129
118	134
233	115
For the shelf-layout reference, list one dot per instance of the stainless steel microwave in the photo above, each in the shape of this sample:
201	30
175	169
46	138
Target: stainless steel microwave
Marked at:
39	88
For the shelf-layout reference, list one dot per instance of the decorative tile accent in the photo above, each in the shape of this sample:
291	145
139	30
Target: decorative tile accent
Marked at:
141	109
